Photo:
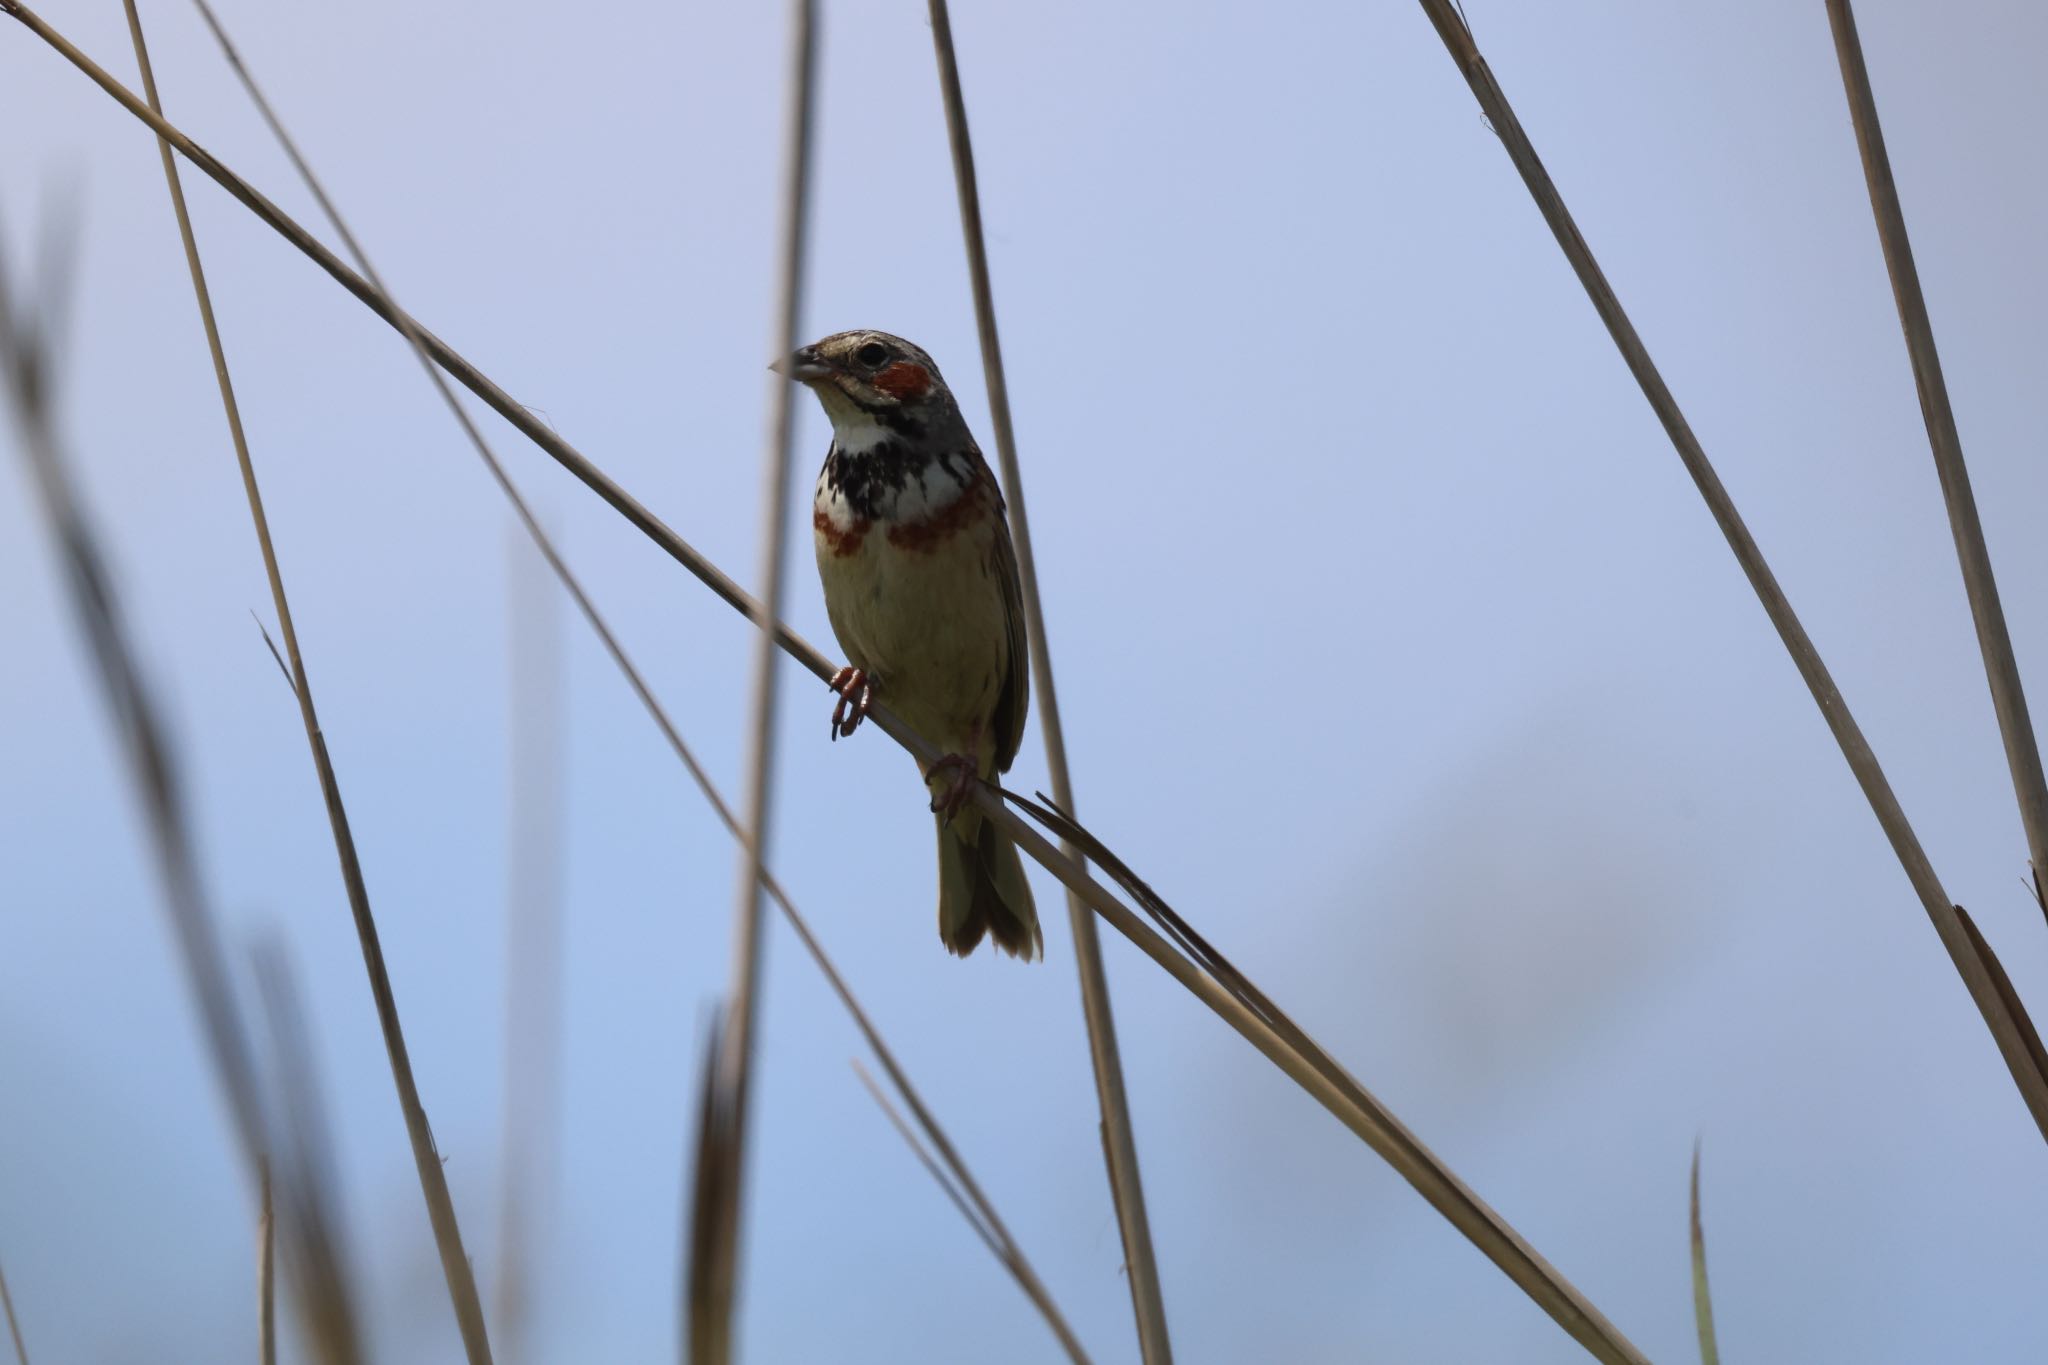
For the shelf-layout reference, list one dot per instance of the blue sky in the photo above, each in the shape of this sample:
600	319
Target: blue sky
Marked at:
1394	647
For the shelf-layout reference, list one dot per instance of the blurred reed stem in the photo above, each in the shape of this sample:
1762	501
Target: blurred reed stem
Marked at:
715	1284
266	1267
153	765
155	771
1702	1300
2006	1028
307	1188
13	1323
533	950
1119	1142
707	1280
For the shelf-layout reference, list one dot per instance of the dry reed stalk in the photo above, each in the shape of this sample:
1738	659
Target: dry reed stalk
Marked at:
718	1281
1702	1301
1119	1141
1971	963
1333	1088
2001	669
992	1237
426	1160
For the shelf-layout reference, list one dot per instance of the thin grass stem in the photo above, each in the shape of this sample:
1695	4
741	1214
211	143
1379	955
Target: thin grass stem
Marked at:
1891	817
2001	669
1119	1142
953	1193
993	1238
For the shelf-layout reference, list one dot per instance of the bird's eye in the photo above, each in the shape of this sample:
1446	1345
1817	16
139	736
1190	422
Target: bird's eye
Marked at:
872	354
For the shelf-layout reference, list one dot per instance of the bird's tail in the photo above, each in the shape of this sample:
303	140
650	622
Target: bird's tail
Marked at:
982	890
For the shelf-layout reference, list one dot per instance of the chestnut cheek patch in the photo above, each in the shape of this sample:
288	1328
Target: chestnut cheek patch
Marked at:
904	381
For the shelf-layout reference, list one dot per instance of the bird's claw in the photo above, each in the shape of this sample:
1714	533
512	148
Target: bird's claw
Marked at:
948	802
856	693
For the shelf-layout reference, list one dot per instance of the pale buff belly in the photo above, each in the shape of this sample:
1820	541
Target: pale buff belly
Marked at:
927	622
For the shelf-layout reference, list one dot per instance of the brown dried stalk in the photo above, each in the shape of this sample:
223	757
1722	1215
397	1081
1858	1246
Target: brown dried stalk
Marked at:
1119	1142
2006	1027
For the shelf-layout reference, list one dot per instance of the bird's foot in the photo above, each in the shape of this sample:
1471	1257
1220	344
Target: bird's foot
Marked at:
948	802
856	693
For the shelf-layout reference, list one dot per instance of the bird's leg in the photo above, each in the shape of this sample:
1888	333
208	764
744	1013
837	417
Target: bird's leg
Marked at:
856	693
948	802
965	770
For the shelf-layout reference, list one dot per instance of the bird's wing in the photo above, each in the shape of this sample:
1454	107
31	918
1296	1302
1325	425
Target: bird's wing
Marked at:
1013	703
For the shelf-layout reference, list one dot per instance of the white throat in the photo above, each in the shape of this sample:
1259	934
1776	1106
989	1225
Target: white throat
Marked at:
857	432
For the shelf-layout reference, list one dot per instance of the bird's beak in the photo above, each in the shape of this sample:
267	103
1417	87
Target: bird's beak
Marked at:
804	365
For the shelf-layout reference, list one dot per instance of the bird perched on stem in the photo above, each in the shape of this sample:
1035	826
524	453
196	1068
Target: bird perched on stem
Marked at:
921	585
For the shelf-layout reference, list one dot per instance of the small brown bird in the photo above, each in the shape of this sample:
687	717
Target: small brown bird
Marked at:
921	585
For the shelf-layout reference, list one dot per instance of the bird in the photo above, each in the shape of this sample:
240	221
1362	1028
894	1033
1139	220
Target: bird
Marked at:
922	589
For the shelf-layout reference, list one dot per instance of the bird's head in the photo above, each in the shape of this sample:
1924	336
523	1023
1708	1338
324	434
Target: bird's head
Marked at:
872	381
